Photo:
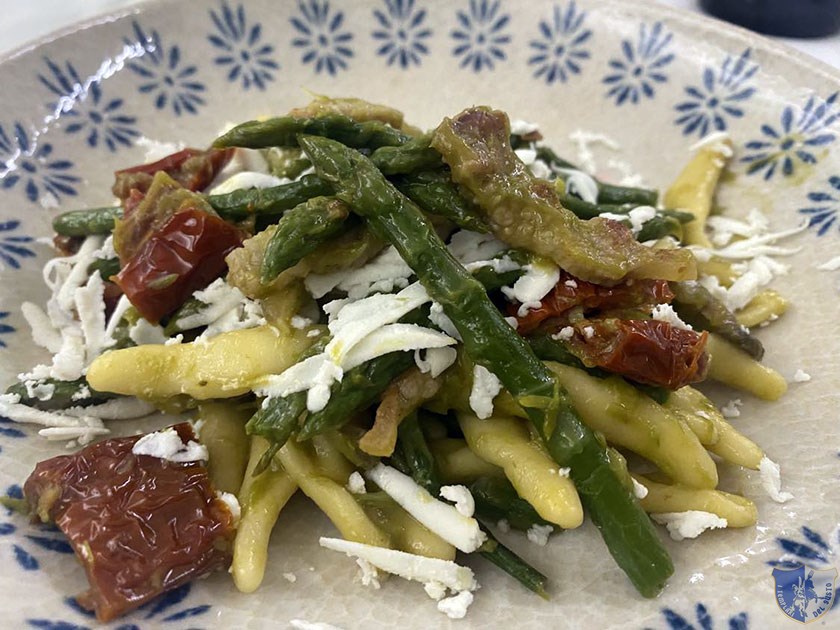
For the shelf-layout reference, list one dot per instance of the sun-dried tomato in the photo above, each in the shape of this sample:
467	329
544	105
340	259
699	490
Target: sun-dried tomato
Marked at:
185	254
644	350
139	524
570	292
194	169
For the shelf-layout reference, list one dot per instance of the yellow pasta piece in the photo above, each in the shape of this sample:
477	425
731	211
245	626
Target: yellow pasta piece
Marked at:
694	188
696	411
221	367
261	499
662	498
729	444
632	420
329	461
331	497
736	368
223	433
766	306
407	533
458	464
506	442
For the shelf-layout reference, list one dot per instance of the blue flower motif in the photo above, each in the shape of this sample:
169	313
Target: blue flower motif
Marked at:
402	33
561	47
640	67
827	212
248	61
721	96
321	36
81	101
5	329
158	611
801	134
676	621
30	163
162	74
813	551
12	247
481	36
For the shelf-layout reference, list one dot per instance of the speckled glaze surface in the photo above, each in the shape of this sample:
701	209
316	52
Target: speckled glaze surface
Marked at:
72	109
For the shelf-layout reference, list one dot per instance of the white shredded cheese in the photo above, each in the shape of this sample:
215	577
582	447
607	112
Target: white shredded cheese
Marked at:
443	519
639	490
731	409
442	321
290	577
461	497
167	444
485	387
470	247
392	338
232	504
455	607
689	524
522	127
435	590
564	334
580	184
144	333
43	332
157	150
666	313
583	141
538	534
356	483
771	480
801	376
407	565
435	361
530	288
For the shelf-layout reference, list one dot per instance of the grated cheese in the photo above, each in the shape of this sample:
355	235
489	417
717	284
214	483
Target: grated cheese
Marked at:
666	313
356	483
485	387
639	490
461	497
441	518
530	288
407	565
771	480
538	534
435	361
689	524
167	444
801	376
455	607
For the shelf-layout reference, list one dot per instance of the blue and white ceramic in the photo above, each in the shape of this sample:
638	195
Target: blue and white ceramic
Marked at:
72	110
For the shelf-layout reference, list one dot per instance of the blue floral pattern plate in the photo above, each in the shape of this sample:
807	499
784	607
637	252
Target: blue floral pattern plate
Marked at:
655	80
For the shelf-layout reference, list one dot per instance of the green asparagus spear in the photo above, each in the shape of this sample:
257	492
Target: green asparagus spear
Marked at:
491	342
232	206
359	388
241	204
513	565
86	222
106	267
607	193
283	132
65	394
414	155
300	231
415	454
701	309
435	193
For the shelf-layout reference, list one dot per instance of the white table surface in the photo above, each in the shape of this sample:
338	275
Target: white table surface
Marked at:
26	21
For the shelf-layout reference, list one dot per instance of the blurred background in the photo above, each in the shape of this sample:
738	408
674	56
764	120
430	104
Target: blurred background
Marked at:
26	21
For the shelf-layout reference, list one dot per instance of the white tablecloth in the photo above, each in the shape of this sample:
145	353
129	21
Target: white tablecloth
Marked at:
26	20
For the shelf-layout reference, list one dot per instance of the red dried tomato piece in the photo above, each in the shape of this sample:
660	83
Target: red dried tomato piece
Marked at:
194	169
185	254
570	292
644	350
140	525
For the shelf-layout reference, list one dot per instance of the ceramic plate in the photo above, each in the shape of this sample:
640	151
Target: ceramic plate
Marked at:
655	80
